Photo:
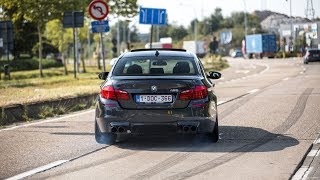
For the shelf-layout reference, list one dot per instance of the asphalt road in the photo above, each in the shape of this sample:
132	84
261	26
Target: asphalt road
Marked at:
269	116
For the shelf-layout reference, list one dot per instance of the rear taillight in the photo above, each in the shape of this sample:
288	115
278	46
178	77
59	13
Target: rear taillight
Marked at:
122	95
199	92
108	92
186	95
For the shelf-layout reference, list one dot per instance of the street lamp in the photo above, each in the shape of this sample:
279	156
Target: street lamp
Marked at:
245	17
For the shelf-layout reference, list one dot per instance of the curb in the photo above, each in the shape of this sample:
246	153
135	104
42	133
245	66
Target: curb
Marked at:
25	112
309	163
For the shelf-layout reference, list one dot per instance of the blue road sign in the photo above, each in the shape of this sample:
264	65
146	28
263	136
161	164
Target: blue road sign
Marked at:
100	26
152	16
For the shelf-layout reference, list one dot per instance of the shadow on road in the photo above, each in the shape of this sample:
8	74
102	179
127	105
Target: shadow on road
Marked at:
232	139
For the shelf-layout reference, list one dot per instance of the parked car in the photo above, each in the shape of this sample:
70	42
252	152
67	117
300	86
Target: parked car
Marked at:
311	55
152	91
236	53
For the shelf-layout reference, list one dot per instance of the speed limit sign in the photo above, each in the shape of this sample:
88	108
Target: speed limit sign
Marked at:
98	9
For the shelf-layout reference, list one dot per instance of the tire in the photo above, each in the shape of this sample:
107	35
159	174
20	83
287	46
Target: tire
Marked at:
103	138
215	134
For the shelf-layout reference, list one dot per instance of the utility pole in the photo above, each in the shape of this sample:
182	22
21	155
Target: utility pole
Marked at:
310	10
291	29
89	42
118	37
245	18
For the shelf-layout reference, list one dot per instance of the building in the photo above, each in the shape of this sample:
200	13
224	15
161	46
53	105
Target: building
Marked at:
303	34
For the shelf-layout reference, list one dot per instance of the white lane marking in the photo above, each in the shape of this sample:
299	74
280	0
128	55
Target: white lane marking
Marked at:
285	79
242	71
221	102
253	91
37	170
302	173
313	153
301	72
50	120
265	70
317	141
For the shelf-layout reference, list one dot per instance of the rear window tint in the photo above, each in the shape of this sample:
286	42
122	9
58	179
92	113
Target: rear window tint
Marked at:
314	51
155	66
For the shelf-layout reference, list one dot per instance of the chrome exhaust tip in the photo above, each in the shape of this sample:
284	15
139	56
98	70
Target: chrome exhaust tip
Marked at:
185	128
114	129
121	129
193	128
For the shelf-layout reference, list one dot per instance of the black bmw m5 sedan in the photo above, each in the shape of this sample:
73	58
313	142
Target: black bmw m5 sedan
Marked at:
151	91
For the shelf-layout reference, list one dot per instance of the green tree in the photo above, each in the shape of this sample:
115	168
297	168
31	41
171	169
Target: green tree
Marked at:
177	33
40	12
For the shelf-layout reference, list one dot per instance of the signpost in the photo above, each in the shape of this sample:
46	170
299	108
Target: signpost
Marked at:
73	19
152	16
99	10
100	26
6	34
6	42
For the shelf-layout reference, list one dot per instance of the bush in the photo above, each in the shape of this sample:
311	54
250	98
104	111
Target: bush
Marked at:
31	64
288	54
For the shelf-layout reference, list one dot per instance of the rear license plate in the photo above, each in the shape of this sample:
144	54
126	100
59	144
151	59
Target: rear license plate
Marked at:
154	98
316	55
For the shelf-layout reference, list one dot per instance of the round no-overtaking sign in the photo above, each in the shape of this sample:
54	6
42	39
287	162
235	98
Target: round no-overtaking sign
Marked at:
98	9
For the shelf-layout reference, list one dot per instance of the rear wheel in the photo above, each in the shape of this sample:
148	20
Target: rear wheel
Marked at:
103	138
215	134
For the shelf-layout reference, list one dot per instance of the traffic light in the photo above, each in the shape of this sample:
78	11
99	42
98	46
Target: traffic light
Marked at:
114	41
114	47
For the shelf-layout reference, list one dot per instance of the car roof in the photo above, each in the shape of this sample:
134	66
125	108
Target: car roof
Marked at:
158	52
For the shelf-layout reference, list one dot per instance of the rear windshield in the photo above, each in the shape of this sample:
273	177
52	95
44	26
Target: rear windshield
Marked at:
314	51
155	66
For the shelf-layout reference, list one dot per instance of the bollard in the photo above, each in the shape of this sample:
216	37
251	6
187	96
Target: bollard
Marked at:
6	68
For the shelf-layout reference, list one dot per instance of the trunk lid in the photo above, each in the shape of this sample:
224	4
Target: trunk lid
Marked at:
154	92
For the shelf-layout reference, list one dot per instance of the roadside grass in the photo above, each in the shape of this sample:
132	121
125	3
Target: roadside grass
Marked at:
27	87
214	63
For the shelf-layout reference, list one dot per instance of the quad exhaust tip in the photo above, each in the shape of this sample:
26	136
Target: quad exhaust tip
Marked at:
118	129
189	129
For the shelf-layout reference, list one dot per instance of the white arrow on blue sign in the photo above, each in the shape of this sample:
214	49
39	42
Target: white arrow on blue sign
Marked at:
152	16
100	26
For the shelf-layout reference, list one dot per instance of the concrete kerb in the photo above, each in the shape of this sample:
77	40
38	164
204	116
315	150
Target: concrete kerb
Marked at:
26	112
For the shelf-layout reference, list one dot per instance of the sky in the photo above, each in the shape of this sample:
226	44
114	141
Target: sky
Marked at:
182	12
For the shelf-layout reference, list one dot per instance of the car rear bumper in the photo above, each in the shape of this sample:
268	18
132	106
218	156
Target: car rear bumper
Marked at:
181	126
312	59
188	120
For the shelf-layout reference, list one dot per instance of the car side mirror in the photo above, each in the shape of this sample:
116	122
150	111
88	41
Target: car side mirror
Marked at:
103	75
214	75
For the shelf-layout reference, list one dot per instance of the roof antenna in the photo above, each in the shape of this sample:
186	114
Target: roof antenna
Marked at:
157	53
